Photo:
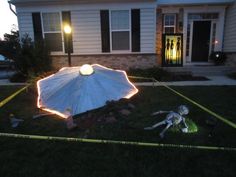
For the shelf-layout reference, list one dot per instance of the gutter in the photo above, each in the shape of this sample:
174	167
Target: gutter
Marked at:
11	8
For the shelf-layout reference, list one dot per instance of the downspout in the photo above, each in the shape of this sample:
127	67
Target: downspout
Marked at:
11	8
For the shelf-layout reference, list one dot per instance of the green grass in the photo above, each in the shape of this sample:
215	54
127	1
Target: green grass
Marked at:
36	158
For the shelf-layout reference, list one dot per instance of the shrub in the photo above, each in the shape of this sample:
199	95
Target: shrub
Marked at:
33	57
218	58
154	72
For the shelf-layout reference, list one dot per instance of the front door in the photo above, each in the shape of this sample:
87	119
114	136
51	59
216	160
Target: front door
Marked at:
201	41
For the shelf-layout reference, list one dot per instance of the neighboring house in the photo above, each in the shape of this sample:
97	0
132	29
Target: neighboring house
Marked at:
127	33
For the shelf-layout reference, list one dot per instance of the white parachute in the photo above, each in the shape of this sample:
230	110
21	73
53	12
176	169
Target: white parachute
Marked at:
81	89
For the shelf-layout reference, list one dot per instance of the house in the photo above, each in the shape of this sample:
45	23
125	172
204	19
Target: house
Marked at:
129	33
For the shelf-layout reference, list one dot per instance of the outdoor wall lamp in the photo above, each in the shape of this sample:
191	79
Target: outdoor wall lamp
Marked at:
67	30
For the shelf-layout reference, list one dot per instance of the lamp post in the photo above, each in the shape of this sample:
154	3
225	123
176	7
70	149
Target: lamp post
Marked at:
67	30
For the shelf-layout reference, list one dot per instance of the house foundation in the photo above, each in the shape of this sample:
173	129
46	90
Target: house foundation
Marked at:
118	61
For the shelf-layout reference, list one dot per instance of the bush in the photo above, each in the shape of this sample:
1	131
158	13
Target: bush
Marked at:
33	57
218	58
154	72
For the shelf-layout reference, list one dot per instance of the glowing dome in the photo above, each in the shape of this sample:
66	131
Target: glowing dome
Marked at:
86	70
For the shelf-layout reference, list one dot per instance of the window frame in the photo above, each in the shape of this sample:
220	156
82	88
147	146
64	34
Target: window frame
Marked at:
49	32
120	30
169	26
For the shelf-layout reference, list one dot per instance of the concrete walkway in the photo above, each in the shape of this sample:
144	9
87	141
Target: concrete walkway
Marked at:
214	80
7	82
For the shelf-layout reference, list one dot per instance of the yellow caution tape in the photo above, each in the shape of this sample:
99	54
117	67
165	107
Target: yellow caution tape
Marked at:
101	141
5	101
228	122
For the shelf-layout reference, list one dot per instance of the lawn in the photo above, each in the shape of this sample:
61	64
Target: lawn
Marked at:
21	157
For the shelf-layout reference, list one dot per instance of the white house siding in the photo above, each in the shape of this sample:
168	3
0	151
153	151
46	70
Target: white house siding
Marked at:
87	31
85	19
25	24
230	29
148	30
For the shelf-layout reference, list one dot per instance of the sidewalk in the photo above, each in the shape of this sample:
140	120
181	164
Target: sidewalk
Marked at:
7	82
214	80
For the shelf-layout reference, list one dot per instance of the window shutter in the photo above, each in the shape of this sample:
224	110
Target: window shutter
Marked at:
135	22
105	32
37	26
68	40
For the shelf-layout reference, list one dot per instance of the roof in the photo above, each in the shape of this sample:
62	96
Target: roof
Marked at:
192	2
15	2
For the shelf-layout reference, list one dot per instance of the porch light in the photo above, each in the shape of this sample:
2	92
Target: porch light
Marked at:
67	30
216	41
86	70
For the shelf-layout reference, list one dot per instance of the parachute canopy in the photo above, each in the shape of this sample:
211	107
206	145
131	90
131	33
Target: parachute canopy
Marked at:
71	89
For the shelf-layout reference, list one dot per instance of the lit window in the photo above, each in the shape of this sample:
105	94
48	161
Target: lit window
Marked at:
120	30
169	23
52	31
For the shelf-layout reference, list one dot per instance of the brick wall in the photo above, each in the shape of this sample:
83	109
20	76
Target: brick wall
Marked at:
159	35
120	61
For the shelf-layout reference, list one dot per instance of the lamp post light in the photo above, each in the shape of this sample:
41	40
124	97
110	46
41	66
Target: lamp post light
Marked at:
67	30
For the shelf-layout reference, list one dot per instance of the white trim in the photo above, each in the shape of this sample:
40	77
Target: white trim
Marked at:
211	36
219	28
120	30
190	42
61	31
41	18
185	28
86	7
155	30
220	32
169	26
170	10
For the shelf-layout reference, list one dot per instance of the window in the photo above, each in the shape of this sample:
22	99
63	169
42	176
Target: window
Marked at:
120	30
52	30
169	23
